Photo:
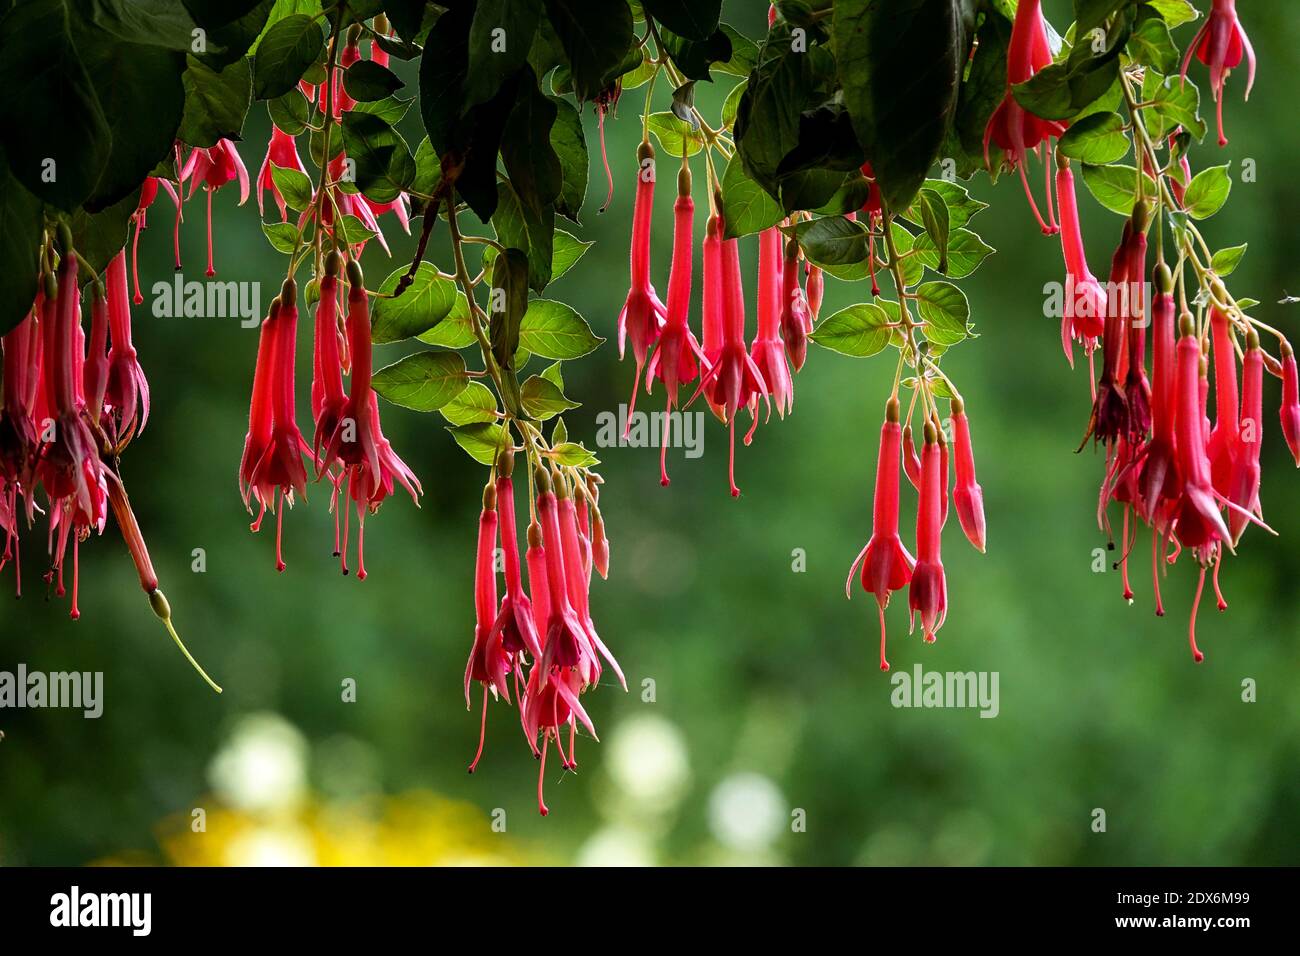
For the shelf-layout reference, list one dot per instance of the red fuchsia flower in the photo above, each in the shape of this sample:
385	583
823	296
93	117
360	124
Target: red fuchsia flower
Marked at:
768	351
488	663
577	575
1110	418
1137	389
734	379
1158	478
257	441
886	564
1197	520
69	464
94	372
928	592
350	53
283	153
1220	44
1290	410
1243	486
676	358
1084	315
18	437
358	442
377	53
514	621
127	389
1223	441
349	204
607	102
967	494
148	193
214	168
327	394
1015	130
712	302
280	467
796	321
816	286
643	315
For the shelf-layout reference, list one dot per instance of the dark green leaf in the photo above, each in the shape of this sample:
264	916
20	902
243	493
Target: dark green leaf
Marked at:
595	41
423	382
20	237
1098	138
858	331
367	81
217	103
692	19
571	150
500	36
284	54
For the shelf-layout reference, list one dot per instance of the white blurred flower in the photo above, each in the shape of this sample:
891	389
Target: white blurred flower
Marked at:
647	760
746	812
616	846
263	766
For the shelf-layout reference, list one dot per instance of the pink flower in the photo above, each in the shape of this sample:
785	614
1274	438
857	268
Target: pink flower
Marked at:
1085	300
796	320
768	351
643	314
514	622
886	564
488	663
928	593
1015	130
214	168
1243	483
1290	410
1220	45
676	358
282	153
127	389
1223	439
967	494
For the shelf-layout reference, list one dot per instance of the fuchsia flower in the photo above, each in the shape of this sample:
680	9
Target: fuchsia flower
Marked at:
148	193
712	298
676	358
928	592
1015	130
1290	410
1085	301
514	622
350	53
1220	44
816	289
257	441
886	564
1110	412
1223	439
1198	524
280	467
734	379
1137	389
768	352
796	320
127	390
488	662
643	314
967	494
214	168
1158	479
283	153
350	204
1243	483
69	464
358	442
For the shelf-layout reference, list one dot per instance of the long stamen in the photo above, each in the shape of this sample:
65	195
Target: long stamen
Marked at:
604	157
482	732
731	456
279	528
211	271
884	664
541	775
663	445
1123	561
1191	627
1155	571
1218	594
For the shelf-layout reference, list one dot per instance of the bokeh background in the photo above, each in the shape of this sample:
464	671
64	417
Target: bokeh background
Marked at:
767	697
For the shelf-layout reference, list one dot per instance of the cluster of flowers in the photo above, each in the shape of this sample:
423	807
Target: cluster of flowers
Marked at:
1194	482
72	403
732	375
553	628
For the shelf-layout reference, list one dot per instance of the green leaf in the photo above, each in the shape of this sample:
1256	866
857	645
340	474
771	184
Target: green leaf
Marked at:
859	331
1098	138
962	206
832	240
573	455
1225	261
475	403
509	300
20	237
1207	193
500	36
456	331
283	236
290	113
384	167
559	432
526	150
283	55
1151	45
294	187
1173	103
1174	12
746	207
570	147
554	330
423	382
355	231
425	303
568	250
732	103
878	42
672	133
518	227
595	41
554	374
481	441
1115	186
966	251
391	109
367	81
49	113
694	58
934	215
945	310
693	19
215	103
544	399
744	53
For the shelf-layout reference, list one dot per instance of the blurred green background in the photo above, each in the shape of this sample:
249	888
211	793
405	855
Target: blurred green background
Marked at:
767	696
